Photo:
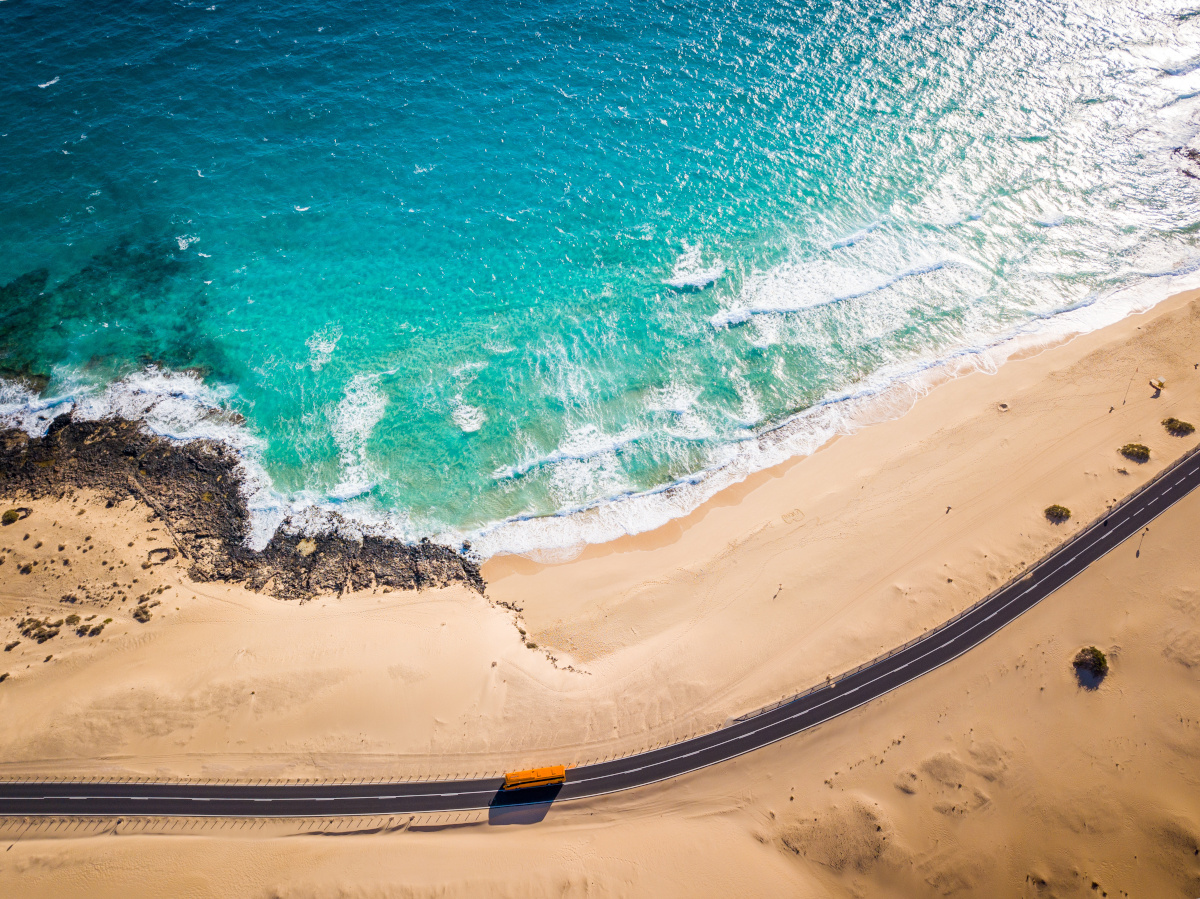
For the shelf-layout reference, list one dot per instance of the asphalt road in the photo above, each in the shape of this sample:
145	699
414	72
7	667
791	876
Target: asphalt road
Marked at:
847	692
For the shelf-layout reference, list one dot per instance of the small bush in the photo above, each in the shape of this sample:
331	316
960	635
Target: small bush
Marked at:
11	516
72	620
1135	452
1058	514
3	677
1177	428
141	614
1091	660
39	629
9	647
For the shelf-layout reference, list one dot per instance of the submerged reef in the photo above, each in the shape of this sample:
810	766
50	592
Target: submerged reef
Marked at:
194	488
149	290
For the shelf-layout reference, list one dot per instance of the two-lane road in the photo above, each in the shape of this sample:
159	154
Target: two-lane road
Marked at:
847	692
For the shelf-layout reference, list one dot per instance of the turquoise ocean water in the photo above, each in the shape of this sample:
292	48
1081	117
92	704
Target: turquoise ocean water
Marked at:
533	273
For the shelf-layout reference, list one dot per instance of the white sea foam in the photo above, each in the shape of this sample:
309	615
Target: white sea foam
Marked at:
887	394
467	418
1050	221
861	234
677	398
355	418
691	272
794	287
182	407
186	240
468	370
584	443
321	345
750	412
678	401
21	408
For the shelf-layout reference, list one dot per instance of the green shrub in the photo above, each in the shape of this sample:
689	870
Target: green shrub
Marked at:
1091	660
1178	428
11	516
1058	514
72	620
1135	452
141	614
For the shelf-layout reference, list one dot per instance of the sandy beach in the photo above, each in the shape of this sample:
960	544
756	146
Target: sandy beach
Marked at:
996	775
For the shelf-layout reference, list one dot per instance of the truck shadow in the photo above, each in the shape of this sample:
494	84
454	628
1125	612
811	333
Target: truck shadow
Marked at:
528	806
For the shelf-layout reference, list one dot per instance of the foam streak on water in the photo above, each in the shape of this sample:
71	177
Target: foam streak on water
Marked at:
536	275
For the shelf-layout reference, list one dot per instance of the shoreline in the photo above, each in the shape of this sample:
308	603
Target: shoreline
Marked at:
735	493
765	589
796	437
195	489
561	536
972	781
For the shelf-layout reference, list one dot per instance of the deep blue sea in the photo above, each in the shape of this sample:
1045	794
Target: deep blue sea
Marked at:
534	273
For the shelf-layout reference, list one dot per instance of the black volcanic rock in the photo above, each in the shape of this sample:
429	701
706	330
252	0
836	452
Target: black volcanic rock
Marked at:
195	489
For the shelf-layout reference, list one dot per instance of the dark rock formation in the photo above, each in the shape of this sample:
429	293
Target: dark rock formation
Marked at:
194	488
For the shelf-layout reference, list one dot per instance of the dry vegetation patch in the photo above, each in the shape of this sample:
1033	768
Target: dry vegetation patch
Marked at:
1057	514
1178	428
1136	452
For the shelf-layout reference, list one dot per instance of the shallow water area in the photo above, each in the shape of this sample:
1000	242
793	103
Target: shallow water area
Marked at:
541	275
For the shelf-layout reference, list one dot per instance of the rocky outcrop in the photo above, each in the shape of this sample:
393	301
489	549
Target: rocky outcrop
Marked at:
195	489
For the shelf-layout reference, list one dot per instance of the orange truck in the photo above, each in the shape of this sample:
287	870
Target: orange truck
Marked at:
535	777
